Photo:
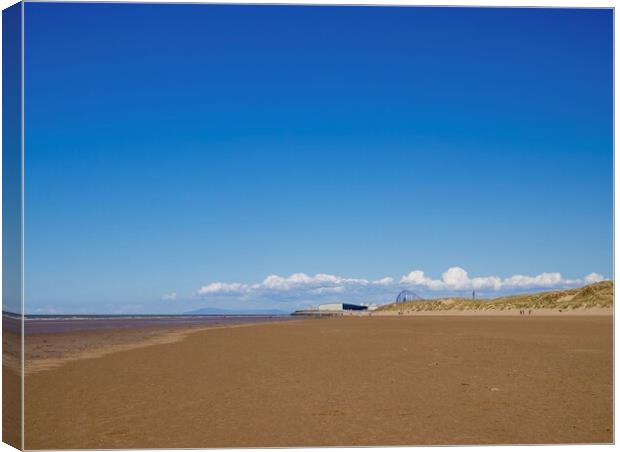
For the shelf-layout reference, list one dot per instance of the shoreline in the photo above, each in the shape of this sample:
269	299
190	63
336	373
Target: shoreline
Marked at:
50	350
45	351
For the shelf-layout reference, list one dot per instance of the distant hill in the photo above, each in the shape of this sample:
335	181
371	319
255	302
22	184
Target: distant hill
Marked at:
597	295
218	311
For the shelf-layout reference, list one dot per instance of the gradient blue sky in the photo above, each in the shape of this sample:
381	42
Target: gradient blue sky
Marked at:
171	148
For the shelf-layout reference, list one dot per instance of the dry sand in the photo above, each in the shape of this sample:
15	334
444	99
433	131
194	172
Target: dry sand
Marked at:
502	312
339	381
11	403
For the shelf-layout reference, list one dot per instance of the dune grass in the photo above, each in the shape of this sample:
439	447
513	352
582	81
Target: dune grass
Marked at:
597	295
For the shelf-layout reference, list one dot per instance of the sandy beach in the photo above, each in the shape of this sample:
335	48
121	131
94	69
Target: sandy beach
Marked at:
590	312
336	381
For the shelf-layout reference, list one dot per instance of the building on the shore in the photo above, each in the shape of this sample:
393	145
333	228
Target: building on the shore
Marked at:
336	309
341	307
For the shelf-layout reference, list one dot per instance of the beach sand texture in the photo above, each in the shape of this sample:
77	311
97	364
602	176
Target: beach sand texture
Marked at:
336	382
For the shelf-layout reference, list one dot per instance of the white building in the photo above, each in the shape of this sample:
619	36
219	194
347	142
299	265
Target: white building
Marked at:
341	307
331	307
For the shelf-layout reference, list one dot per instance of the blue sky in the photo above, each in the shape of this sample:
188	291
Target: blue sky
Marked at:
189	156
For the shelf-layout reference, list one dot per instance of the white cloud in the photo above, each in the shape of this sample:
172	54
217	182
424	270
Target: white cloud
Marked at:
593	277
301	287
297	281
222	288
456	278
416	277
384	281
169	296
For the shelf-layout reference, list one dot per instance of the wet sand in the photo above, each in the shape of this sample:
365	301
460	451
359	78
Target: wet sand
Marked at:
47	351
337	381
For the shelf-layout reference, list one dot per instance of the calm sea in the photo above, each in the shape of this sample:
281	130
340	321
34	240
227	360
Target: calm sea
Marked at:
41	324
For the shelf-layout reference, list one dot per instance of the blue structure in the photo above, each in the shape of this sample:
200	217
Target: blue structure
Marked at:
353	307
406	295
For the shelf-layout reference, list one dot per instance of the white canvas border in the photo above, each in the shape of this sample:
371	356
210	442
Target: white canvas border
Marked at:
441	3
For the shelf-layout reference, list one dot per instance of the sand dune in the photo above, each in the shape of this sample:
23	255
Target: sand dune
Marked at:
593	299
